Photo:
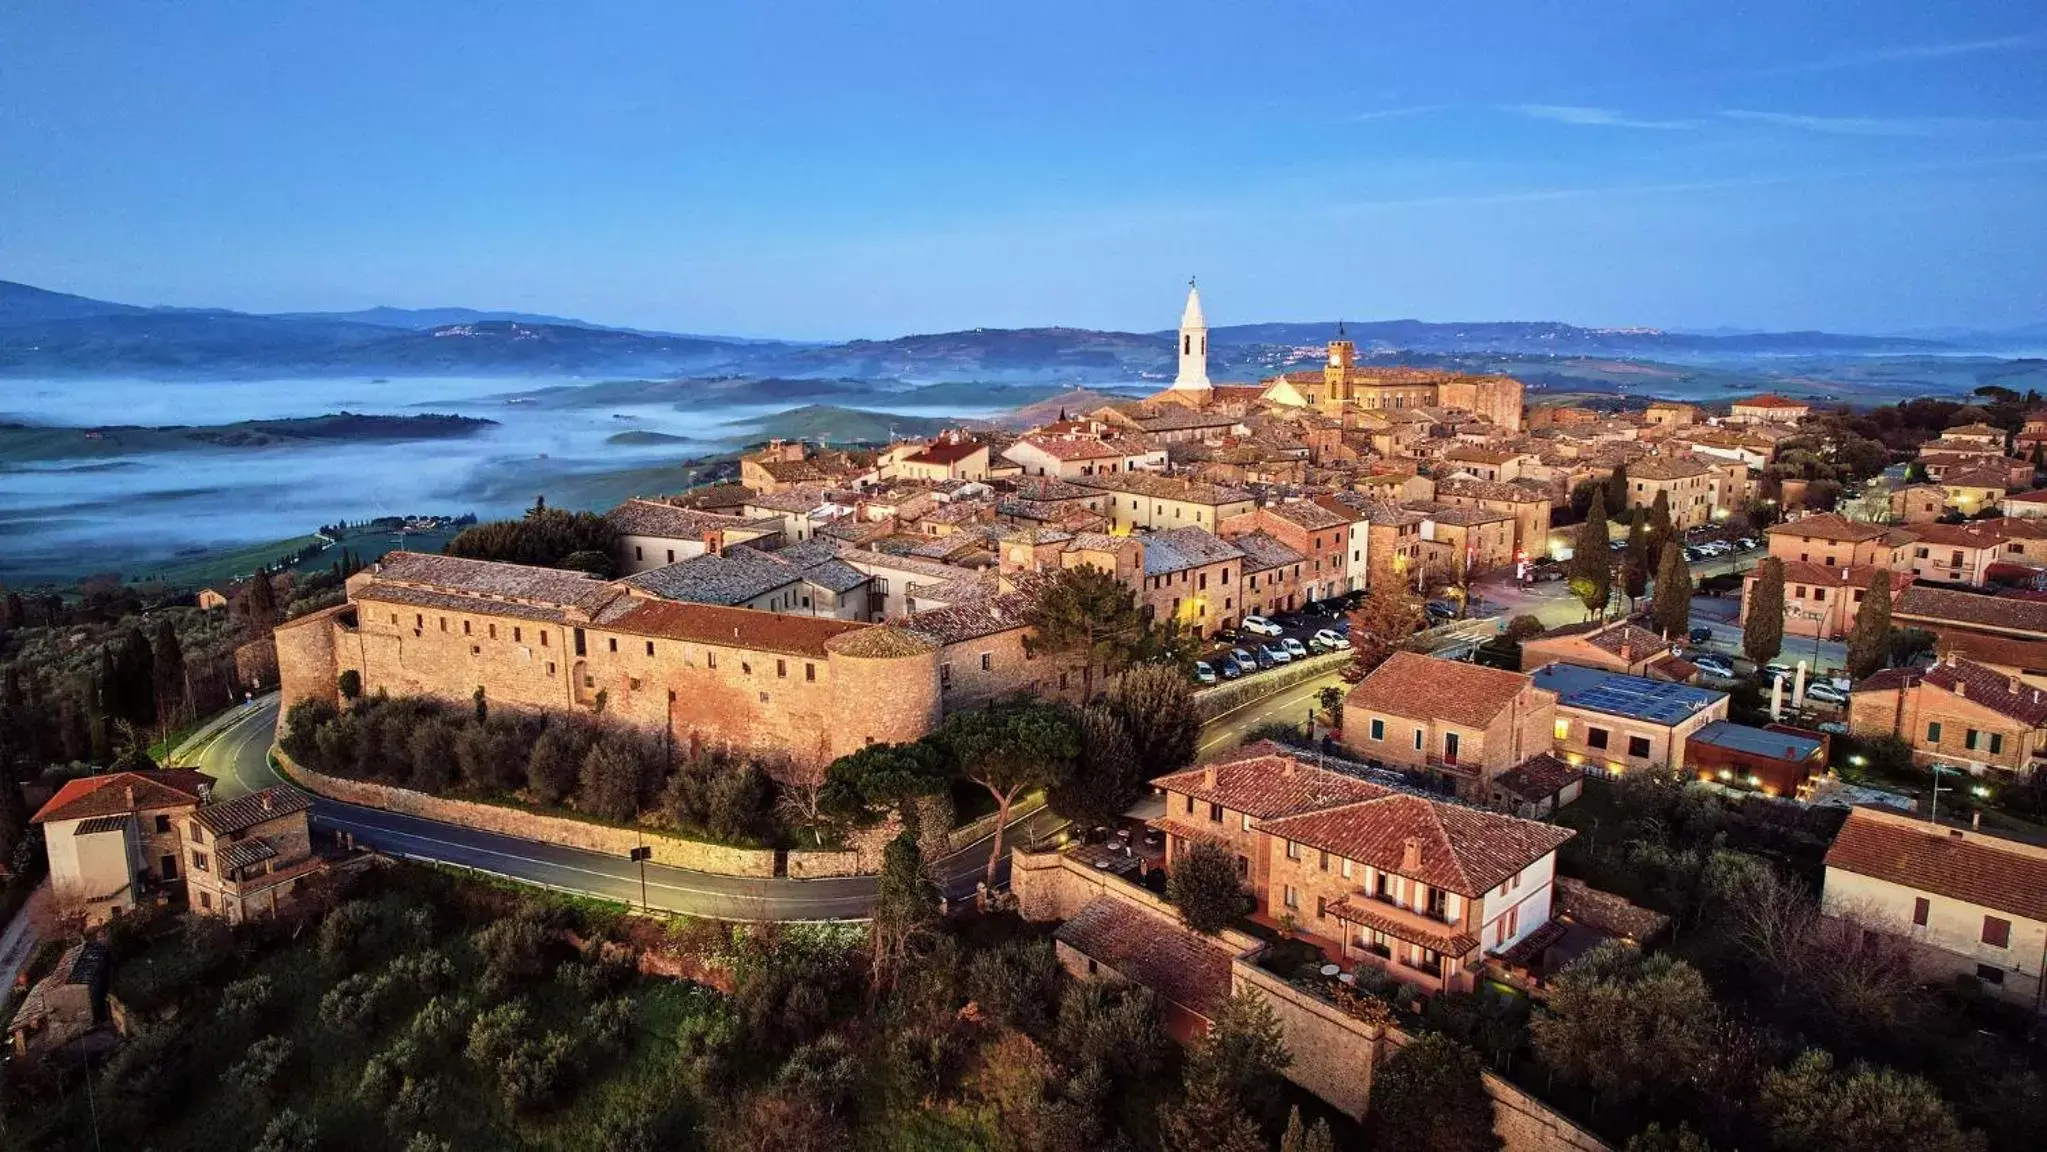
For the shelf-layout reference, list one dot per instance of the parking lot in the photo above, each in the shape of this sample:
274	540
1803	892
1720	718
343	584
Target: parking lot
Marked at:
1297	626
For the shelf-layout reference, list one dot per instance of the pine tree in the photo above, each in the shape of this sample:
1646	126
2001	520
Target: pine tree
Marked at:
1591	559
1673	609
1869	644
1635	562
1762	625
1317	1138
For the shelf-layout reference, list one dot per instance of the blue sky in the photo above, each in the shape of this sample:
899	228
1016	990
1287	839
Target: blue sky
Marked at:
834	170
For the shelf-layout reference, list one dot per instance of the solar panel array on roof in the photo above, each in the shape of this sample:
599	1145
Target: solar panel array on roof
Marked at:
1635	697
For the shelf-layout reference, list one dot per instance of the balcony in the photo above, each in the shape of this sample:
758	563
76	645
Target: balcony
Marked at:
1403	924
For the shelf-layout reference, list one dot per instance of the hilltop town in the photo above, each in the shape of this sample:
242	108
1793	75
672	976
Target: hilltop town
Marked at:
1524	736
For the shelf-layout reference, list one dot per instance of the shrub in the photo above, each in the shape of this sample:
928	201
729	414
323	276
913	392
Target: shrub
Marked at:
740	800
429	971
1016	984
497	1032
438	1024
609	1025
358	1003
611	779
256	1072
288	1132
431	753
247	998
534	1072
554	764
414	1104
1204	886
513	951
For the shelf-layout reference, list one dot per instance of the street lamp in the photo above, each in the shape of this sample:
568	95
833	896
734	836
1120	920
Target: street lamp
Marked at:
1933	811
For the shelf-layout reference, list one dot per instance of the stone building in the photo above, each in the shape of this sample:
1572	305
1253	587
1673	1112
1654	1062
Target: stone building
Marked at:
1529	505
64	1005
1463	722
1141	500
1974	905
652	534
1320	535
1768	410
954	455
1611	724
539	638
1270	574
1958	713
1192	576
1918	503
1822	601
107	837
1685	481
246	857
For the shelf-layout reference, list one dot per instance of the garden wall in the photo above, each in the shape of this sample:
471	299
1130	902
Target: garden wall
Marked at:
673	851
1213	702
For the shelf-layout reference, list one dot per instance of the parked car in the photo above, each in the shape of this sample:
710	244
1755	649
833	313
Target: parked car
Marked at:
1746	543
1203	674
1694	553
1713	666
1777	671
1245	661
1700	635
1826	693
1327	641
1441	609
1277	653
1294	648
1260	626
1229	668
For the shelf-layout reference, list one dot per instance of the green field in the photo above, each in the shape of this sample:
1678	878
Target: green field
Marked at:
24	443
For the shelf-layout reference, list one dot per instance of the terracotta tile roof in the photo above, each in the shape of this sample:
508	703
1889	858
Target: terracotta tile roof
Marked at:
107	795
1977	478
243	853
1403	925
1539	777
230	816
489	579
1943	605
1409	684
1990	688
2037	496
1468	851
1177	549
99	825
1769	401
1265	780
1472	489
1308	514
1840	575
723	627
985	616
1460	515
1973	430
1151	950
1963	865
654	518
1264	552
1667	468
1074	447
715	496
1166	488
1481	456
947	450
1980	534
2028	655
1829	526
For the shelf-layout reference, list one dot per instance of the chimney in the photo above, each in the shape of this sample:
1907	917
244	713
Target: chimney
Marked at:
1976	820
1627	652
1288	771
2015	688
1844	575
1208	778
130	790
1962	689
269	801
1411	854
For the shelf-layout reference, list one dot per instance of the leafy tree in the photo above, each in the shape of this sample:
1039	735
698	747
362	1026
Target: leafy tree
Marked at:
1591	558
1810	1107
433	756
288	1132
1155	705
862	784
545	536
1087	612
1628	1026
1313	1139
1204	886
1107	778
1672	612
554	764
1635	562
905	909
1016	984
1431	1096
255	1074
1657	1138
1762	626
1011	748
1869	643
1244	1052
1384	620
1909	644
611	779
349	683
1524	627
1331	699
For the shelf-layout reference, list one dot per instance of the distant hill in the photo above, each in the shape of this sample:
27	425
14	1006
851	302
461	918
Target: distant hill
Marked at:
46	333
834	425
20	443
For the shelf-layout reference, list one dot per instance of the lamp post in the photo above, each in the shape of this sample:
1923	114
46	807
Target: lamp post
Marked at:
1933	812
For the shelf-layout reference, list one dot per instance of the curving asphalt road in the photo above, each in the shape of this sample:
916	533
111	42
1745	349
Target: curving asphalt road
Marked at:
237	755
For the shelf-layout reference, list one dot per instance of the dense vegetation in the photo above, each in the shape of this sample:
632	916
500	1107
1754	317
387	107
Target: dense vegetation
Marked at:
569	764
545	537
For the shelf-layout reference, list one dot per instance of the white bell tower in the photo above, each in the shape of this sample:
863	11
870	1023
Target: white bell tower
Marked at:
1193	375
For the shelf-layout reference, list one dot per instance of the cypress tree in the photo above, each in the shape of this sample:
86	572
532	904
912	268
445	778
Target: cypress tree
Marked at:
1869	643
1635	562
1591	558
1673	611
169	673
1617	490
262	602
1762	626
1661	530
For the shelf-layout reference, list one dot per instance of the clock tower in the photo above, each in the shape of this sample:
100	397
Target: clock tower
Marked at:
1336	376
1193	375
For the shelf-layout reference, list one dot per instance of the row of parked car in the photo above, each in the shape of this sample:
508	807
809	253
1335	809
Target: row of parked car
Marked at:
1253	656
1722	668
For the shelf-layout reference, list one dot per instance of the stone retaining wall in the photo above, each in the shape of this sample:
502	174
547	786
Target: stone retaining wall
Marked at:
1213	702
674	851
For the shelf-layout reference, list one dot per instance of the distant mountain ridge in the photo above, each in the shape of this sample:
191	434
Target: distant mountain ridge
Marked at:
44	333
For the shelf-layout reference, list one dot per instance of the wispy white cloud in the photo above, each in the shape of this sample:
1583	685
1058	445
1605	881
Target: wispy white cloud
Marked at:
1396	113
1910	53
1871	125
1591	117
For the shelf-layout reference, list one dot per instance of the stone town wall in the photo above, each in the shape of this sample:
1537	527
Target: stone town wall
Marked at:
991	667
1334	1054
811	707
673	851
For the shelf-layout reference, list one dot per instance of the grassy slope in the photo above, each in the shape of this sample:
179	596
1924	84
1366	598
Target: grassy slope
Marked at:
25	444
